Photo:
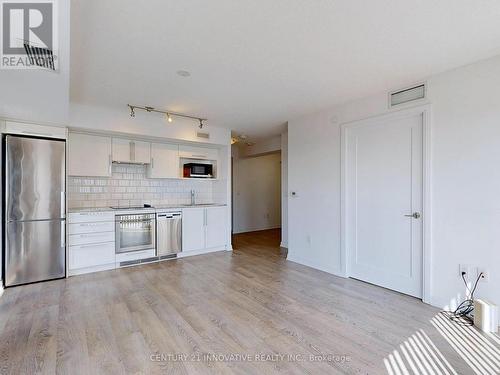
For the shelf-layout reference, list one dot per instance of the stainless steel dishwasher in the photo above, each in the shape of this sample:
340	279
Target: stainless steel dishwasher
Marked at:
168	234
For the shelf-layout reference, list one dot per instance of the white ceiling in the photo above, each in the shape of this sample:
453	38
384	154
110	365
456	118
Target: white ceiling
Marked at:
257	63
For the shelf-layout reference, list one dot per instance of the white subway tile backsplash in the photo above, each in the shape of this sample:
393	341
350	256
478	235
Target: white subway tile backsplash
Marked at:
129	186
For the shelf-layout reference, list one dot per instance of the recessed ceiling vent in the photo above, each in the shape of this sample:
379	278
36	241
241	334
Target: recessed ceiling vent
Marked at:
203	135
407	95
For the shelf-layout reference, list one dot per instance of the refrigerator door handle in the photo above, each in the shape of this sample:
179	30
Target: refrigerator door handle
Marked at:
63	233
63	204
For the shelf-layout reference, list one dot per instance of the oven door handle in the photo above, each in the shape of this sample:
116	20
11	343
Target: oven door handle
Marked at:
134	221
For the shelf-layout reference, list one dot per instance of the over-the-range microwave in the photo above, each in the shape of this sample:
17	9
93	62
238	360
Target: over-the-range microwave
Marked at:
198	170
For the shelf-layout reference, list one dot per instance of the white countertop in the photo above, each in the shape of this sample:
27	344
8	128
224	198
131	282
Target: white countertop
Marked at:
142	210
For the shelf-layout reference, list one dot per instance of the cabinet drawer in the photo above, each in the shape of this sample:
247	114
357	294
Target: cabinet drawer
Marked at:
84	256
82	228
90	238
88	217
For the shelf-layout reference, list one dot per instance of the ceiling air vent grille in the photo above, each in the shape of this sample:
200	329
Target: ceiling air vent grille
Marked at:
42	57
407	95
203	135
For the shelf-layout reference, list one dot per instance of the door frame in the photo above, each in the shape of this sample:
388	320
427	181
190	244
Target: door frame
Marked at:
425	111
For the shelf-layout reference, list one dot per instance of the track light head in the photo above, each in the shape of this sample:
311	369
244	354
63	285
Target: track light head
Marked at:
132	112
201	123
169	118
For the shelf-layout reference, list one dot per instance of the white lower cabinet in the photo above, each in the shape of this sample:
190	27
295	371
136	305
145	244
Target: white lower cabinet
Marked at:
91	242
91	238
216	224
92	255
193	229
204	228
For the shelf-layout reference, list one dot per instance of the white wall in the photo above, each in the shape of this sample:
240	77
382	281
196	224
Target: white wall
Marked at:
465	186
284	189
144	124
260	147
257	193
40	96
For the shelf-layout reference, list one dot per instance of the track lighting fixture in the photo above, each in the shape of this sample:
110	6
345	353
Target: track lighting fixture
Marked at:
169	114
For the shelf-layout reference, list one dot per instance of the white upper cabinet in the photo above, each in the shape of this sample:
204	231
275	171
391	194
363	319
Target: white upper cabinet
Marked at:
191	152
122	150
130	151
36	130
89	155
164	161
142	152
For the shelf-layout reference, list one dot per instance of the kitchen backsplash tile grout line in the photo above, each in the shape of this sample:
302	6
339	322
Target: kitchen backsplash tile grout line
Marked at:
129	186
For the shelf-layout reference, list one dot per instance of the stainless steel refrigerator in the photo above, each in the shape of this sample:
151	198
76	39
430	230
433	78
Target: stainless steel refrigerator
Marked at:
34	209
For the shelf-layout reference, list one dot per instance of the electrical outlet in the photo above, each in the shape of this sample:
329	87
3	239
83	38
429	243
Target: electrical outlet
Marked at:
485	275
467	269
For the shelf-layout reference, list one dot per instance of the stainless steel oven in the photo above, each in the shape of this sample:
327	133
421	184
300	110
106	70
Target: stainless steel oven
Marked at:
135	232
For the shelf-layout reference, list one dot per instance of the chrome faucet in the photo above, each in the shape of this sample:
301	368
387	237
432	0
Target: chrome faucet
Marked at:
193	197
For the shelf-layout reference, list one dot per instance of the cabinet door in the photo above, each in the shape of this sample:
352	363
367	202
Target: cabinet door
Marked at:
216	225
122	150
164	161
192	152
141	152
89	155
193	229
35	129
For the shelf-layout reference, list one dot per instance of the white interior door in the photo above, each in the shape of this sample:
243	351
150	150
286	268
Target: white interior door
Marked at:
384	202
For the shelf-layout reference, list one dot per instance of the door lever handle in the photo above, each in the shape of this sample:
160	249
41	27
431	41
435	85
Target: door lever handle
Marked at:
414	215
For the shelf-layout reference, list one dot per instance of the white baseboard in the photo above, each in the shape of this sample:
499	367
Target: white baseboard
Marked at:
200	252
315	266
82	271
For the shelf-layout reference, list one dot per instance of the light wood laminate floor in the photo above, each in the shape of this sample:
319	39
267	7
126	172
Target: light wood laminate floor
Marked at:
246	312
